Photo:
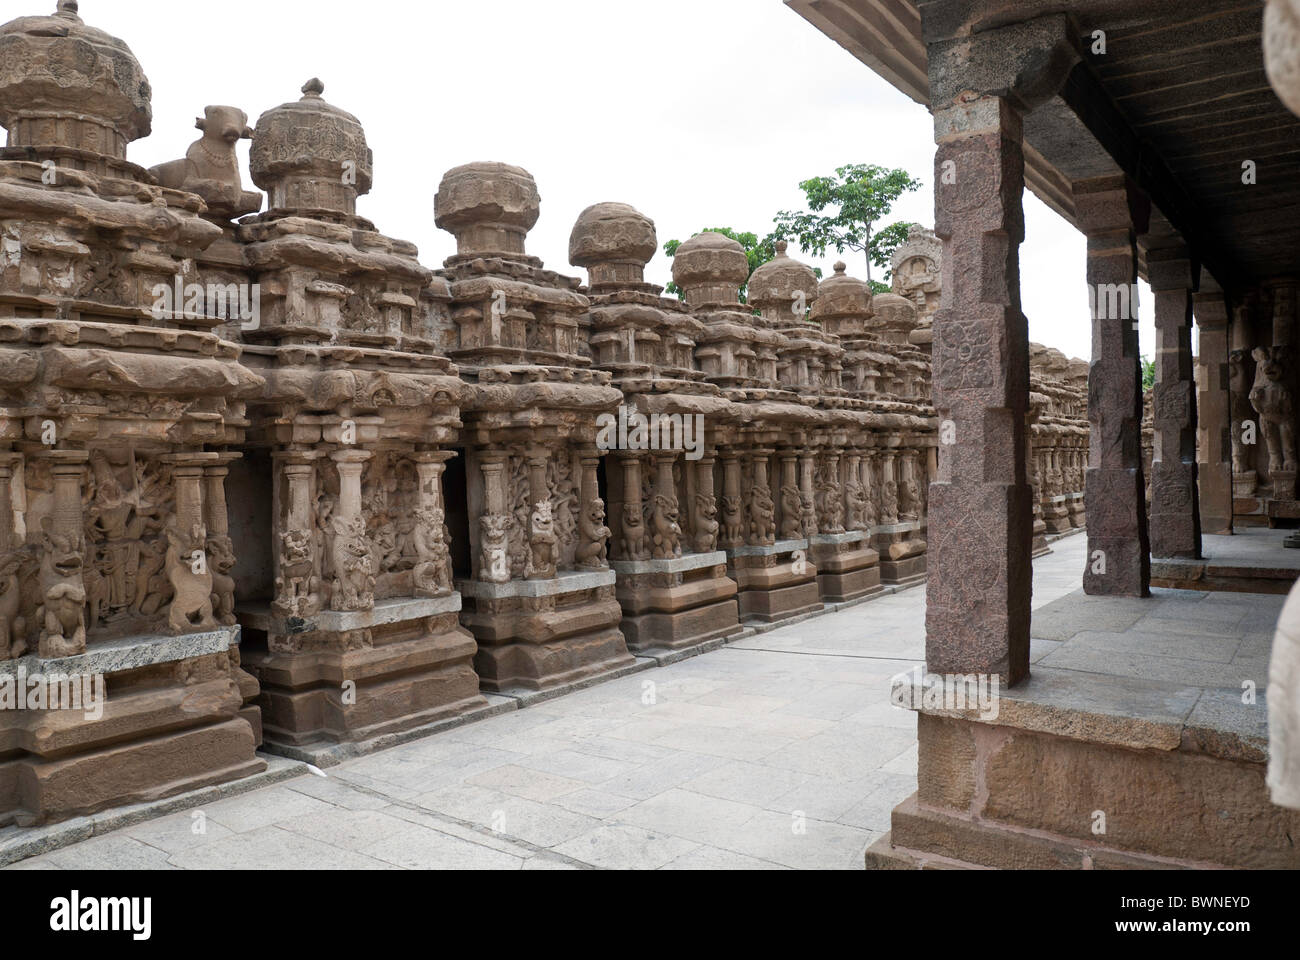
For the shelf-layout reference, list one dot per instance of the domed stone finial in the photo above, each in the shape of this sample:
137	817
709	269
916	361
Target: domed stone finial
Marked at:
784	287
844	304
311	157
64	85
710	268
489	208
614	242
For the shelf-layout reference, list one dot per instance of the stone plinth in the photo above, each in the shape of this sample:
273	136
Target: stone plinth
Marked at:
847	568
677	604
776	582
541	634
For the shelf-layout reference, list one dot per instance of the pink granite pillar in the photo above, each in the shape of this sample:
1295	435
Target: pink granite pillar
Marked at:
1175	504
981	515
1113	214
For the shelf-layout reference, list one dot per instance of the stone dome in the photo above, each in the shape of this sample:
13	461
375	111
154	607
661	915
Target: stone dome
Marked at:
710	258
895	316
64	84
779	281
489	207
610	233
843	296
308	155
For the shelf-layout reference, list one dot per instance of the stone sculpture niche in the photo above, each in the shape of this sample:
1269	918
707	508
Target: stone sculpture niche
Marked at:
1272	399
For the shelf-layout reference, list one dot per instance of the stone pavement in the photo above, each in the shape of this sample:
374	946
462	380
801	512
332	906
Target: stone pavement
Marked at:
781	751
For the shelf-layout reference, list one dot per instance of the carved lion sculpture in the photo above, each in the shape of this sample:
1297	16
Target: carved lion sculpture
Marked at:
221	558
211	166
297	588
593	549
542	543
706	523
354	579
63	598
791	508
13	626
733	520
1272	400
636	541
762	516
494	550
191	580
432	573
666	530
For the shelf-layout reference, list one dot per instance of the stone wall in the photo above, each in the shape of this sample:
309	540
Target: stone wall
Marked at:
274	478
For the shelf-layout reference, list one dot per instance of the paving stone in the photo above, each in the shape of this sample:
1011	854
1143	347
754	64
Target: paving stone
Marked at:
112	852
272	848
704	857
624	847
262	808
745	782
178	831
691	816
523	782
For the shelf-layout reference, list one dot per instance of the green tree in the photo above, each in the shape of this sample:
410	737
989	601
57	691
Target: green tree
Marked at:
758	251
843	211
1148	373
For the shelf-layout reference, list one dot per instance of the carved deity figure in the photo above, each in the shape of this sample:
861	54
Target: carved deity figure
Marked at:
63	597
432	573
808	515
1272	400
909	504
1241	413
593	544
706	523
542	543
831	508
855	501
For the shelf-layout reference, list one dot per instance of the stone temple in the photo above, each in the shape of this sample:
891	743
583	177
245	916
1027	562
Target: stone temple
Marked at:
291	491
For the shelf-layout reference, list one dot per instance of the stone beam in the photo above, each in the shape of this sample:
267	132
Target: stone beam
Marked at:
981	506
1113	214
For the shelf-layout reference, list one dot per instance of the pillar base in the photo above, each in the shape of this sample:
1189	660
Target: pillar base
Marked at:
847	569
154	739
677	604
339	689
776	582
541	634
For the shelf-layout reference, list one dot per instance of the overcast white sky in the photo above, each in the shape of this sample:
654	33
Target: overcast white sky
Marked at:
700	113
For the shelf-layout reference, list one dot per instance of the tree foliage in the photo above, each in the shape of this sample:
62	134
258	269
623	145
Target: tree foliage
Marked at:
843	211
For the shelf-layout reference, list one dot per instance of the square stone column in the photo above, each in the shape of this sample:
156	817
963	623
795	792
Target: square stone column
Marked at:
1214	423
1175	504
981	516
1113	214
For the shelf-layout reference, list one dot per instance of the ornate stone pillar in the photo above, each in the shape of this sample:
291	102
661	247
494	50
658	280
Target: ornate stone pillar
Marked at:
1214	447
705	519
808	494
666	532
354	582
1175	503
734	522
762	526
1245	478
6	512
791	497
542	541
1112	213
636	539
494	525
981	515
